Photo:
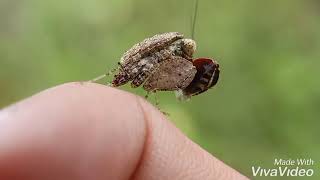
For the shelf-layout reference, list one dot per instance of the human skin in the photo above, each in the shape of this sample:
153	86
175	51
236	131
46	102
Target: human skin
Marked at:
79	131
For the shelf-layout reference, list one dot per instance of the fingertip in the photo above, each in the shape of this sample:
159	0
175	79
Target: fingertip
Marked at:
75	131
84	130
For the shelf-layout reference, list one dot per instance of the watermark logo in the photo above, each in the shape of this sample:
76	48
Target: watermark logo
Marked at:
286	167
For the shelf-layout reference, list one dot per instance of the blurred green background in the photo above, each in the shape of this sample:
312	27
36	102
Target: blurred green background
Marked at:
265	106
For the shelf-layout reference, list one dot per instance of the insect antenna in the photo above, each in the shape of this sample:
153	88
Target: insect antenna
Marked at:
103	75
98	78
194	19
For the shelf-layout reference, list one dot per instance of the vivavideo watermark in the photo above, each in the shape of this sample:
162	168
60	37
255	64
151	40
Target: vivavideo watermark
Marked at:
286	167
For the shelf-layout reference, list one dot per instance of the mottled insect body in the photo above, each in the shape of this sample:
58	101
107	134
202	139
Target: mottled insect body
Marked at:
143	58
165	62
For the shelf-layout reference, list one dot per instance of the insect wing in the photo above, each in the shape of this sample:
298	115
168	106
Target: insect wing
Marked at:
172	74
148	46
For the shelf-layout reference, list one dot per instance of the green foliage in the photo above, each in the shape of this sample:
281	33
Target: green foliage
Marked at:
265	106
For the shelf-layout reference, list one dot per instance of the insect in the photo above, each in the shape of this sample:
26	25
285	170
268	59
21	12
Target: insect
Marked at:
165	62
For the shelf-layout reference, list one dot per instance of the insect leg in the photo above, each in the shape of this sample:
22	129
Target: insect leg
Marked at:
157	102
147	95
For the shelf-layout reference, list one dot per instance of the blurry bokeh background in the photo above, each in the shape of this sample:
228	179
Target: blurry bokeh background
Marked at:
265	106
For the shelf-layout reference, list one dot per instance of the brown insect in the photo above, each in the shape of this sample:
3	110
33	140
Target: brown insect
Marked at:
165	62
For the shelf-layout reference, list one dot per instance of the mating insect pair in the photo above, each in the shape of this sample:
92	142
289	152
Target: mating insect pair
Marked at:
165	62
